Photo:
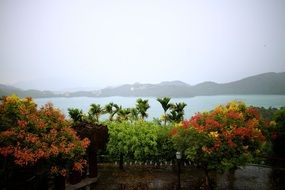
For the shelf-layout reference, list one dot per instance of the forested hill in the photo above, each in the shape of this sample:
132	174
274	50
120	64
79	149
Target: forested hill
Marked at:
267	83
8	90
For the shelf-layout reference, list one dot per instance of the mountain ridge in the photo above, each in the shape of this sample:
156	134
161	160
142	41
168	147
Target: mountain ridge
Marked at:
265	83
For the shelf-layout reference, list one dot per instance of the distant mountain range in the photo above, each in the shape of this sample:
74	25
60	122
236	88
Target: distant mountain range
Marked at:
267	83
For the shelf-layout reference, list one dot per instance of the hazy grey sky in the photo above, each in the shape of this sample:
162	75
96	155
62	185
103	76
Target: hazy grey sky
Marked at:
71	43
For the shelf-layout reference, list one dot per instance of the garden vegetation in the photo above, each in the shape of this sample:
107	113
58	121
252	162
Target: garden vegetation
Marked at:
222	139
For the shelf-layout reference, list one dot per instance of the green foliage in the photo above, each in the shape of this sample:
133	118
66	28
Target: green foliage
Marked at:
142	106
165	150
279	117
266	113
138	141
186	136
177	112
219	139
165	104
75	114
134	114
111	109
94	112
273	129
123	114
278	136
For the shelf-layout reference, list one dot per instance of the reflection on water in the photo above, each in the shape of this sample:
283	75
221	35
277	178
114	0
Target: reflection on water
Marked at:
245	178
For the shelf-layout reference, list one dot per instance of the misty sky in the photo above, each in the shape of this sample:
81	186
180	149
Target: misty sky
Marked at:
89	43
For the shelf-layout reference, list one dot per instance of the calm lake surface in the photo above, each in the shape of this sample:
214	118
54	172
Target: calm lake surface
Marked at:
194	104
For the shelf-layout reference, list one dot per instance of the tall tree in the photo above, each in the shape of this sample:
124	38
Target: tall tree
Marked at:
123	114
95	111
75	114
134	115
117	108
165	104
177	112
179	108
111	110
142	106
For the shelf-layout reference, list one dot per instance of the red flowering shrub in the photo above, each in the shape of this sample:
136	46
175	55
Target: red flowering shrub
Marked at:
29	136
222	139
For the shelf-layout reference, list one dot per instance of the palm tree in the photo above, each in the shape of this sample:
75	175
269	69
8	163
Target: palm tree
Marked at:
180	110
123	114
116	110
142	106
134	115
75	114
165	106
172	116
177	112
95	111
109	109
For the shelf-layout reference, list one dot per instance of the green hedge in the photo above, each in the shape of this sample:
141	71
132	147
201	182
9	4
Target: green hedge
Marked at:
139	141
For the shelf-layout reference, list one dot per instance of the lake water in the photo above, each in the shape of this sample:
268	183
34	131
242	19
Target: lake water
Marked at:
194	104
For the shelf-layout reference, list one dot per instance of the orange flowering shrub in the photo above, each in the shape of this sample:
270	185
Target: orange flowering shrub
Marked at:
222	139
29	136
